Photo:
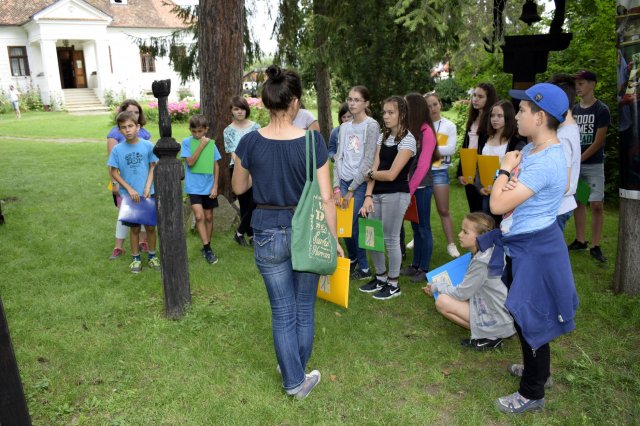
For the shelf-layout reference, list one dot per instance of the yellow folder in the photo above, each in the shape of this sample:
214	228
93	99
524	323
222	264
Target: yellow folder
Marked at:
487	167
469	161
335	288
345	220
442	139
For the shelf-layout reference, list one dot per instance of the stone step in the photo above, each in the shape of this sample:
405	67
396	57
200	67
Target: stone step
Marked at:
82	101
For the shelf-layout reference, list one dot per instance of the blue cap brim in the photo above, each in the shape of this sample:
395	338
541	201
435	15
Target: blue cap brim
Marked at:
519	94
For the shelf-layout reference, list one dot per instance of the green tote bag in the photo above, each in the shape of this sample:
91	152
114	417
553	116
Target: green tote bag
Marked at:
313	248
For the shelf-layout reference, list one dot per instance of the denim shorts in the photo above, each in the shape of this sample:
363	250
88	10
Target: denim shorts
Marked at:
440	177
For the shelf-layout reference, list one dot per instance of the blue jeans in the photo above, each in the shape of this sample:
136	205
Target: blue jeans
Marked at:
562	219
292	296
422	237
355	252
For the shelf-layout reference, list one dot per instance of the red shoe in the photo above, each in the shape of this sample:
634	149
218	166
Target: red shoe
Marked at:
143	246
117	252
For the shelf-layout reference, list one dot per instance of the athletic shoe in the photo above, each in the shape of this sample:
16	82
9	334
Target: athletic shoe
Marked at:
418	277
409	271
481	344
154	263
387	292
143	246
596	253
359	274
517	404
311	380
239	239
410	245
353	265
517	369
577	245
453	250
136	266
210	256
372	286
116	253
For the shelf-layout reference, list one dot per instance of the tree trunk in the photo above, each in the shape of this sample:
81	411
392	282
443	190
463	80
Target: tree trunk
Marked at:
627	266
323	82
220	51
13	406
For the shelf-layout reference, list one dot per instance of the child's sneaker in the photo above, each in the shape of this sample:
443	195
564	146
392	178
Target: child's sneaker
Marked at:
577	245
311	380
154	263
359	274
517	404
210	256
372	286
388	292
136	266
143	246
116	253
482	344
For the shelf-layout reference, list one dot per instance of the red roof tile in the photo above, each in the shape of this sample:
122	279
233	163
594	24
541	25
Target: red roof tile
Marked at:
137	13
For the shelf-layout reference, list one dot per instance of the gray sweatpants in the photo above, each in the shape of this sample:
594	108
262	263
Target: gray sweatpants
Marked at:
390	208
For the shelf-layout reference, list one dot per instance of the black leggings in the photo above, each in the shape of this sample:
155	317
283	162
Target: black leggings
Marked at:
537	368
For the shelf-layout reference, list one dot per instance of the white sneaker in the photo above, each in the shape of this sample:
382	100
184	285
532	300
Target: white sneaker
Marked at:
410	245
453	250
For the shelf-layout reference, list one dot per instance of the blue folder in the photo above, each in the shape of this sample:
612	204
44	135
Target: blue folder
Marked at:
143	213
452	272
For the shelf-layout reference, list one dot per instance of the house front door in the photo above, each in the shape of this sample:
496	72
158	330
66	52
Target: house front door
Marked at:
72	69
78	68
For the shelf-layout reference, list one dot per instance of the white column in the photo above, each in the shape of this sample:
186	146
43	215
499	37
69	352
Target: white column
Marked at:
51	87
103	66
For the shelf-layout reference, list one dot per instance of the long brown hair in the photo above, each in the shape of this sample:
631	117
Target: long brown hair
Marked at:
403	124
492	97
510	123
418	114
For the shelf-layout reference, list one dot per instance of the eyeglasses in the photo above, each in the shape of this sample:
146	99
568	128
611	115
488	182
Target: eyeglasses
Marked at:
354	100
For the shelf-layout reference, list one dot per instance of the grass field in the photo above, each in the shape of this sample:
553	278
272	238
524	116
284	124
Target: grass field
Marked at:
94	348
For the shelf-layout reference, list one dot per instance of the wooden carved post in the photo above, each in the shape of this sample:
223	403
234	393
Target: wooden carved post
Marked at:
13	406
171	234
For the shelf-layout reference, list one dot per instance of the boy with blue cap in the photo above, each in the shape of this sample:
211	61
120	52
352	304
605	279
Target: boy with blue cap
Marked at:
542	297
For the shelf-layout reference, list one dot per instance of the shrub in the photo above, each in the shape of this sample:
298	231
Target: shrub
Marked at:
178	111
448	91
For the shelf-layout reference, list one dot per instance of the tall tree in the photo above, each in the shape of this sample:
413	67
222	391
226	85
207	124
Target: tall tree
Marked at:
220	38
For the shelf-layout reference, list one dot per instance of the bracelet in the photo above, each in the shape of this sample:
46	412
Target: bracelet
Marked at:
336	190
367	195
370	174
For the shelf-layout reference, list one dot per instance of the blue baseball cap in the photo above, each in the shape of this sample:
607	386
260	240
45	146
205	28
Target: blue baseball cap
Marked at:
548	97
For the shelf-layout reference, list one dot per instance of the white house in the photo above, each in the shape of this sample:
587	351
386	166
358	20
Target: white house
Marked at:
74	44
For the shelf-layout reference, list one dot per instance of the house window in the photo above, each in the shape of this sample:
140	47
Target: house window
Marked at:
148	62
18	61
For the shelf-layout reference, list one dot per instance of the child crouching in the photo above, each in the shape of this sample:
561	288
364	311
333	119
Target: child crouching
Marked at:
477	303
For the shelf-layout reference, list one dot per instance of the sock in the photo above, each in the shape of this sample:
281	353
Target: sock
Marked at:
352	261
136	257
151	254
207	247
238	234
365	270
382	278
393	282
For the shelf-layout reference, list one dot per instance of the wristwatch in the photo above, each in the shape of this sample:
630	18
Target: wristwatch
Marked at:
502	172
370	174
350	189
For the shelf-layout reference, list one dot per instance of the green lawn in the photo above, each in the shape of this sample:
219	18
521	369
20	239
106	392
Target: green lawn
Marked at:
94	349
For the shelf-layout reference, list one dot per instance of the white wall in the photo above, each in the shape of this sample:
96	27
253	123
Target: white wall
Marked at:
16	36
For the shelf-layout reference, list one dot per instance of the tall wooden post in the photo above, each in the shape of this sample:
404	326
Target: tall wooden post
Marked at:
13	406
171	234
626	279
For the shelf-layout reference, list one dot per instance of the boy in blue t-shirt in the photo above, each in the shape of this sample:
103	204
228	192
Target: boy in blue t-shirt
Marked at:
132	166
201	187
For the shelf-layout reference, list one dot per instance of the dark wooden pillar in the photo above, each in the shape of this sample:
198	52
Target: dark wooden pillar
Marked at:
171	234
13	406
